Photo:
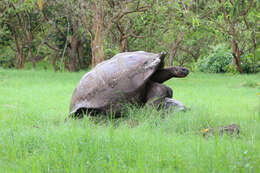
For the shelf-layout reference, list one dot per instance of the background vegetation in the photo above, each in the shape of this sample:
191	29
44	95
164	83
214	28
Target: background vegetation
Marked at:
206	35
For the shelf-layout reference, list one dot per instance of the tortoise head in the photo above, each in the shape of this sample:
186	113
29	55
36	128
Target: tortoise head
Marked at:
175	71
179	72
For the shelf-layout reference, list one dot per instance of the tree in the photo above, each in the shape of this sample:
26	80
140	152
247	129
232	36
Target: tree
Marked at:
234	17
127	29
25	25
67	39
104	14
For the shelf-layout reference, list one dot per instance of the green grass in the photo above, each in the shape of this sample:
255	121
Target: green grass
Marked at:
35	138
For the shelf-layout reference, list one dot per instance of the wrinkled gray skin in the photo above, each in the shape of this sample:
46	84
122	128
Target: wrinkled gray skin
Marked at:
130	77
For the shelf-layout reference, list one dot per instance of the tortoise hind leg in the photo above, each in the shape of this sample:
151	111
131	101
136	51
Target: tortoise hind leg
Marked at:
164	74
170	103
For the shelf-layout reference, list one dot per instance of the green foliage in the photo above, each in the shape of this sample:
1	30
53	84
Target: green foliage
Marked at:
250	63
218	60
42	65
7	57
157	26
110	52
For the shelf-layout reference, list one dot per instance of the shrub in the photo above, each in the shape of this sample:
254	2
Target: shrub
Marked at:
250	64
220	61
7	57
217	61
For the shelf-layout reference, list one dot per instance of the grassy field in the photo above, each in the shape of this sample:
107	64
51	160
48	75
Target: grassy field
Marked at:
35	138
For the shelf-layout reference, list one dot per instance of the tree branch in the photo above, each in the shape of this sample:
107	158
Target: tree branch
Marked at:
243	13
224	12
52	46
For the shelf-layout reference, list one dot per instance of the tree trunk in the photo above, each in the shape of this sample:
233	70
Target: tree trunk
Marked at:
32	58
80	53
20	59
73	54
235	51
73	49
237	60
172	54
196	58
123	42
197	55
66	65
123	45
97	51
34	64
53	58
53	61
97	41
97	45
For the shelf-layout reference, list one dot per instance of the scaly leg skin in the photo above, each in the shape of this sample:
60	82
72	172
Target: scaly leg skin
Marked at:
156	94
160	96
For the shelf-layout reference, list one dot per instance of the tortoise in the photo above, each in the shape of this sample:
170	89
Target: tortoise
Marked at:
129	77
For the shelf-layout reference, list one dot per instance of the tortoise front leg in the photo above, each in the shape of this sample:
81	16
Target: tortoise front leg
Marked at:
156	94
160	97
164	74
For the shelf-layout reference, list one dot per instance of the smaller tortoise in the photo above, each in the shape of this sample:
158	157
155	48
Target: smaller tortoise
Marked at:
130	77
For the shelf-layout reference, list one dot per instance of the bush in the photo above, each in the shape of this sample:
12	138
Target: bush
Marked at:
250	64
217	61
220	61
7	57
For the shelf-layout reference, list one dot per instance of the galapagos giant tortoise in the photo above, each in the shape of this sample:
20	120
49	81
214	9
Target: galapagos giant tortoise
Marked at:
130	77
